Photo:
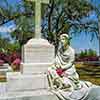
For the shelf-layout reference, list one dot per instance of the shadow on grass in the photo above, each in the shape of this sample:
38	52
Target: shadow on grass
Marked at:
89	73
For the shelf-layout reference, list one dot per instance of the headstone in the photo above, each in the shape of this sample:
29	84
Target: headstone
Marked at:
38	55
38	51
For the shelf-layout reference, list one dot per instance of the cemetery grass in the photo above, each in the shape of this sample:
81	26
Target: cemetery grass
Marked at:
89	73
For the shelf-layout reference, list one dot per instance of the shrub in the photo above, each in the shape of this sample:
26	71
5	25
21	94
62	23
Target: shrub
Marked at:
13	57
1	62
4	57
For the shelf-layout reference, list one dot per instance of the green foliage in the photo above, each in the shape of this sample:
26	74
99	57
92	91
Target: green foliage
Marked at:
60	17
66	15
58	14
7	47
25	29
91	53
88	52
14	47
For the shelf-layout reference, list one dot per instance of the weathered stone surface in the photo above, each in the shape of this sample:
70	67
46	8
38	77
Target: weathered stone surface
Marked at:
31	83
29	95
5	68
23	82
38	51
3	88
34	68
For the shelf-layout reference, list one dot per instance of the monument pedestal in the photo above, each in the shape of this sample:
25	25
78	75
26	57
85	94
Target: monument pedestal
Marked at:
31	83
29	95
26	82
38	55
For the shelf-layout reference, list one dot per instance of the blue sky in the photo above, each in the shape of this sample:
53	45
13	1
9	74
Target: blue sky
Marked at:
82	41
78	42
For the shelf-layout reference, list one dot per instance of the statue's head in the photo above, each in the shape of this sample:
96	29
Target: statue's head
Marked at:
64	39
64	42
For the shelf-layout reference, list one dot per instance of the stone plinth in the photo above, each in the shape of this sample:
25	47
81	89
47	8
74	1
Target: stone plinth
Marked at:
3	88
29	95
38	55
5	68
24	82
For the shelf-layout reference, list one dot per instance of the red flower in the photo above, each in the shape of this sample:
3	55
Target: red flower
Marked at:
59	71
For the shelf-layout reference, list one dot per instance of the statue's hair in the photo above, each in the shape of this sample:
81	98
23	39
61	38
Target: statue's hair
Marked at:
65	35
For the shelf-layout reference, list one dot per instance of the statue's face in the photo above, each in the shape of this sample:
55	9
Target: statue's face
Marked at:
64	40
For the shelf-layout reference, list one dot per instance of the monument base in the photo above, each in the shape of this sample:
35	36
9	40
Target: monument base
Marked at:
26	82
29	95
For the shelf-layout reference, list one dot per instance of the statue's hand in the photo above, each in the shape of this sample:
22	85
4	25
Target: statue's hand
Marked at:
58	83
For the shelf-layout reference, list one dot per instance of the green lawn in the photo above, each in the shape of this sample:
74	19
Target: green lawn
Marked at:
89	73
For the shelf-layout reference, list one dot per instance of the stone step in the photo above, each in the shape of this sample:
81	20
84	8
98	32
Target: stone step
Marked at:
3	88
5	68
23	82
34	68
42	94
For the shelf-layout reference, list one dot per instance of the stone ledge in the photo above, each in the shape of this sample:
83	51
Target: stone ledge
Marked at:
29	95
38	42
35	68
23	82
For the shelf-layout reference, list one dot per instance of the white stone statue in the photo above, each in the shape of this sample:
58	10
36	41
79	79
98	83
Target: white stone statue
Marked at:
63	78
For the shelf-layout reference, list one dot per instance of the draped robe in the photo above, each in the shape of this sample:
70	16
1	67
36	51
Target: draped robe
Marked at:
63	78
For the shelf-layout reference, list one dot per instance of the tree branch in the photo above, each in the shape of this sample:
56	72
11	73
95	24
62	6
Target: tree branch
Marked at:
49	16
15	17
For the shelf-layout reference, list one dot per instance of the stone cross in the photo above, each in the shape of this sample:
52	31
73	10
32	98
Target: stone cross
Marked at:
38	16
